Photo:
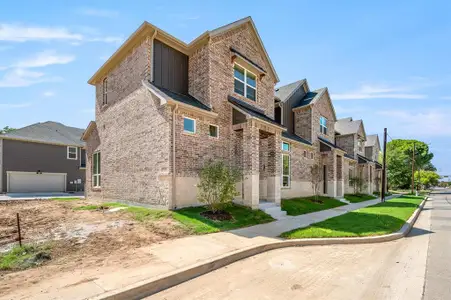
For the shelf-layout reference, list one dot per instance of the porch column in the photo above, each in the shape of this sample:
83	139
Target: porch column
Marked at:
340	176
251	161
274	168
332	175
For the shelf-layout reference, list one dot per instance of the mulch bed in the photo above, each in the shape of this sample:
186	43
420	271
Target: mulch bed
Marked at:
217	216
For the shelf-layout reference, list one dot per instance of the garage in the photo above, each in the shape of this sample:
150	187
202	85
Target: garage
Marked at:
31	182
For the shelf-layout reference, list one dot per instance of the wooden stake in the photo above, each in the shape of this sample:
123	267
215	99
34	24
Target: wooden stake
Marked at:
18	230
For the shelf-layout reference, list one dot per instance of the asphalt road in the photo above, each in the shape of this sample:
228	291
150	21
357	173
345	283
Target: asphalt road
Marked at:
416	267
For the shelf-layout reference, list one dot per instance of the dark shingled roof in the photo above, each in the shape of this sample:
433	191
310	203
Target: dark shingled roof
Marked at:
296	138
310	97
187	99
363	159
48	132
284	92
329	143
349	156
253	111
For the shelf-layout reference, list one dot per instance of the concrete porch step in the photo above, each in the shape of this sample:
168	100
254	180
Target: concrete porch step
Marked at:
273	210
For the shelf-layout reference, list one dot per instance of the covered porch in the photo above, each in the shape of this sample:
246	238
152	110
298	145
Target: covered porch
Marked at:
332	173
257	152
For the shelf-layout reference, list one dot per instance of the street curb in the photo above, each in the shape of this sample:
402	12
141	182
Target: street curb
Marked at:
156	284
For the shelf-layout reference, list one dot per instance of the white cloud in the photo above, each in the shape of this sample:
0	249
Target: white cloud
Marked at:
21	78
43	59
21	33
24	33
48	94
379	92
99	12
107	39
425	123
14	105
413	88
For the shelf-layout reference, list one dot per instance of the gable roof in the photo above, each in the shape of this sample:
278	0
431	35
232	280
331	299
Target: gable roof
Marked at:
252	111
348	126
48	132
296	138
372	140
149	30
283	93
312	97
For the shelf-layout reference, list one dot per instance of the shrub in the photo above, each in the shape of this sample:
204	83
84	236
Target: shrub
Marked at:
217	185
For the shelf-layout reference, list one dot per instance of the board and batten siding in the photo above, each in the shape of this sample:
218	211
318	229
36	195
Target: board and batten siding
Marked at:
170	69
30	157
287	111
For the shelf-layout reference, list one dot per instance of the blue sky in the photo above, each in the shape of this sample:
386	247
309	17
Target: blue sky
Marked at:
386	62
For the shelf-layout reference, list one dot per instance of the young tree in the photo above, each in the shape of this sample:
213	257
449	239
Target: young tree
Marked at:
316	179
6	129
217	186
427	178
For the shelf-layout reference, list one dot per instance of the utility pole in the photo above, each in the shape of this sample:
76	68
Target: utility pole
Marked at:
384	167
413	168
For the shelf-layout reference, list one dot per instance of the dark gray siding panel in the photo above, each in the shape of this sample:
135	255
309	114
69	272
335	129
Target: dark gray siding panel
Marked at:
288	116
170	68
30	157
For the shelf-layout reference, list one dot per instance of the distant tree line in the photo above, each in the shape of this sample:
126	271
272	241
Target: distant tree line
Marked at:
6	129
399	165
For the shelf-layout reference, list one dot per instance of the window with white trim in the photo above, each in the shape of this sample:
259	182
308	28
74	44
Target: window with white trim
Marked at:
189	125
72	153
285	146
286	170
245	82
214	131
96	169
105	91
323	125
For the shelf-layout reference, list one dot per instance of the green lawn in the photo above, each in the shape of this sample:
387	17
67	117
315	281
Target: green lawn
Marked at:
354	198
191	217
379	219
305	205
242	217
66	199
24	257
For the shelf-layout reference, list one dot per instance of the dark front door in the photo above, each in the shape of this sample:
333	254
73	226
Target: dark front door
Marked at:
324	179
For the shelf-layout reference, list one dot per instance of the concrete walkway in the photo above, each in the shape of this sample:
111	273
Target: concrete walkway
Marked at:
168	256
274	229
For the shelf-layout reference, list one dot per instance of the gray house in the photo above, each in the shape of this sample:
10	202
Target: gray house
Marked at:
43	157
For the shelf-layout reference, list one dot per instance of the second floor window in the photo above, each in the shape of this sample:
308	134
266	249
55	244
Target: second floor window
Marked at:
72	152
105	91
285	146
189	125
245	82
323	125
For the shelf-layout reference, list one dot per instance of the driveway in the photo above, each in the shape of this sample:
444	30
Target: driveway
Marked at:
392	270
31	196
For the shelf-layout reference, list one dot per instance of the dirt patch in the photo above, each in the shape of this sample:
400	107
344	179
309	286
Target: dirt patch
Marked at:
217	216
78	238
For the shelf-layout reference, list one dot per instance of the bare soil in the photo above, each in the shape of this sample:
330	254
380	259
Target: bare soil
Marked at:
78	238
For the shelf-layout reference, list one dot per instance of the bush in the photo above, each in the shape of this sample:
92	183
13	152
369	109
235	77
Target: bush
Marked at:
217	185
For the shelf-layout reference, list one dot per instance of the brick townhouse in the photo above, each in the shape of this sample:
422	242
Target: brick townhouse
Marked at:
164	107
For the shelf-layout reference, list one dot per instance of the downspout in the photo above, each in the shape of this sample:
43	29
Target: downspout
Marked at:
174	187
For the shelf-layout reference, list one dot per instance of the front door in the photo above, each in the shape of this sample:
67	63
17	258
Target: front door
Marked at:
325	179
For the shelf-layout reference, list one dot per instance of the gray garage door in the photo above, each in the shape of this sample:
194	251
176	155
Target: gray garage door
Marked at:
30	182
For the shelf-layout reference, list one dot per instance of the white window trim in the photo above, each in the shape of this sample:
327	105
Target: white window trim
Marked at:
217	131
245	83
289	171
95	174
186	131
76	152
321	126
289	147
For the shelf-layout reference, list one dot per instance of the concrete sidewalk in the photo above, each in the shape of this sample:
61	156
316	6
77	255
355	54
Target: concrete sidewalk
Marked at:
169	256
